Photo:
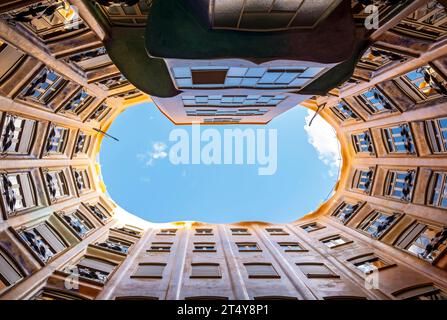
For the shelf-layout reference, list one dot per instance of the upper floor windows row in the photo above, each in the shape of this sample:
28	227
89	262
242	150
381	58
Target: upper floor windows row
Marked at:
400	184
419	85
253	270
18	135
240	77
425	241
230	112
427	22
398	140
19	190
233	101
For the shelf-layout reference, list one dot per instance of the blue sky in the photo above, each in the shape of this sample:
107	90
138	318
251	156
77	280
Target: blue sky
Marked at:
141	179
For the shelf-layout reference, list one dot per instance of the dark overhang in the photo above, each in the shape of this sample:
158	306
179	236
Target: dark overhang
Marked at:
176	31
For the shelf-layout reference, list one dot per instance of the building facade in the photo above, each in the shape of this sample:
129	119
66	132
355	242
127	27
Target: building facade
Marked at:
382	235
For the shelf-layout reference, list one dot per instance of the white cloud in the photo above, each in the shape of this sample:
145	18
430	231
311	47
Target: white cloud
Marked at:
322	137
158	151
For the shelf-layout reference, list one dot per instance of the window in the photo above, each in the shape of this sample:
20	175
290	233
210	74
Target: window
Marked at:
78	223
9	272
81	179
425	82
82	143
50	21
136	298
204	232
91	59
130	230
100	112
149	270
121	14
78	103
113	82
399	139
56	140
369	263
438	190
437	134
363	180
242	77
205	270
276	232
160	247
115	244
99	211
291	247
248	247
374	58
314	226
17	135
375	101
378	223
56	184
400	184
261	271
233	101
129	94
343	111
44	87
316	270
362	142
345	211
94	269
10	59
204	77
424	241
240	232
274	298
335	241
43	241
17	192
204	247
52	294
167	232
422	292
206	298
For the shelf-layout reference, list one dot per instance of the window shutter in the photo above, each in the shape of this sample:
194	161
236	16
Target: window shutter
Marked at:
408	236
149	271
9	57
260	270
7	271
28	194
205	271
312	270
26	136
362	259
51	238
415	292
97	264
